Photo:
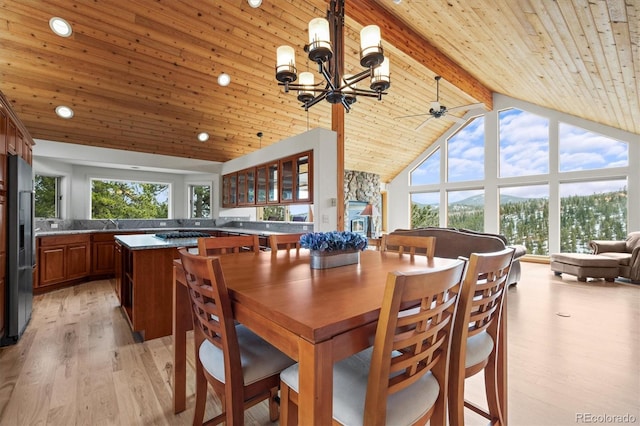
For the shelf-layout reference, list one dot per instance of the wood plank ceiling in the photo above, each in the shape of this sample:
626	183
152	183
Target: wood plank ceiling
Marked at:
141	74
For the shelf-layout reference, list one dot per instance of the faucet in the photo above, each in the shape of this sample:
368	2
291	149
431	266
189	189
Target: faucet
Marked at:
114	222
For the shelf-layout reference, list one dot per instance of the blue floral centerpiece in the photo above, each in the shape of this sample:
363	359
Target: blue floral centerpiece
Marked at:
335	248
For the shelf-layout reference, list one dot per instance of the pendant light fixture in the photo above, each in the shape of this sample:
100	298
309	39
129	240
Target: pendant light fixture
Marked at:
324	48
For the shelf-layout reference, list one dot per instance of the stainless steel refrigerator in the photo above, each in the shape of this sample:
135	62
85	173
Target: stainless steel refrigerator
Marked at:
20	249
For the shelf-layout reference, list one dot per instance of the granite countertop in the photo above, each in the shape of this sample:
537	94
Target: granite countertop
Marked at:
151	231
150	241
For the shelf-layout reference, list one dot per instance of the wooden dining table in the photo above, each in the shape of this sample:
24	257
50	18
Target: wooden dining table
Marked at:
315	316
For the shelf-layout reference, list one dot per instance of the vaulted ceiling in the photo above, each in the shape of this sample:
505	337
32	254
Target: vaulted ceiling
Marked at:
141	74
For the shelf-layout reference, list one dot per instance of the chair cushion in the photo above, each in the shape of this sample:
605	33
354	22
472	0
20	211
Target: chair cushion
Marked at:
599	260
479	347
259	359
622	258
350	388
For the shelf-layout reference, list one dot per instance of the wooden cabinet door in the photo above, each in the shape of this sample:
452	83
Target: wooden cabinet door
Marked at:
273	178
3	150
51	263
242	188
78	261
261	184
286	180
19	142
103	257
303	192
11	137
250	182
229	190
3	260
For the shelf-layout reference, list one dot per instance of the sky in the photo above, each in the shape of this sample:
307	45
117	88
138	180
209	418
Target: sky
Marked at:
579	149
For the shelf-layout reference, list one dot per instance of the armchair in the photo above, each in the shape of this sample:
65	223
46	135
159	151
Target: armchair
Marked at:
626	252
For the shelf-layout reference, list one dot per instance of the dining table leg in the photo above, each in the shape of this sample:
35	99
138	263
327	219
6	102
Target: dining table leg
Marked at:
315	405
182	323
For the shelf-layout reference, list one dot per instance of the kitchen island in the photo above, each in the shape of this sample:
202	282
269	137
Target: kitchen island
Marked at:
144	276
144	271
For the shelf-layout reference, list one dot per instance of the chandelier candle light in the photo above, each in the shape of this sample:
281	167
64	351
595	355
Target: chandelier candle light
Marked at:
338	87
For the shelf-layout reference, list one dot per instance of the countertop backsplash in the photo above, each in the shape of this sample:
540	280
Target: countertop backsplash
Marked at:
59	225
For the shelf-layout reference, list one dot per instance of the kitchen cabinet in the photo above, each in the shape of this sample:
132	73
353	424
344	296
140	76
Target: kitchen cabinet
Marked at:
267	184
145	288
284	181
3	261
295	179
103	254
246	187
3	150
11	138
229	190
63	259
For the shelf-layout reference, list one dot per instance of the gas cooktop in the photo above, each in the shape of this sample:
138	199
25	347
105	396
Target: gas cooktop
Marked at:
181	234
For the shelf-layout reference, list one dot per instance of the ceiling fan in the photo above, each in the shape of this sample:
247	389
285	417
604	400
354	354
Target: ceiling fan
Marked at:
440	111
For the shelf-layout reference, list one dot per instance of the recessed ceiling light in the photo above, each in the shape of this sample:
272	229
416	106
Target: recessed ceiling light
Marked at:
60	26
254	3
64	111
203	137
224	79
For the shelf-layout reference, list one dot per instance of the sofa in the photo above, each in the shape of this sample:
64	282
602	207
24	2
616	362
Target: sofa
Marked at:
455	242
626	252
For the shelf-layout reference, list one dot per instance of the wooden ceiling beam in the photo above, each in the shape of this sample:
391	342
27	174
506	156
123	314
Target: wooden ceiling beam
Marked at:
410	42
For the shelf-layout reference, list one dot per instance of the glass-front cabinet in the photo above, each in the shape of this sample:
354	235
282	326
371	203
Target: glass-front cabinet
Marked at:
284	181
272	183
247	187
261	184
303	170
229	192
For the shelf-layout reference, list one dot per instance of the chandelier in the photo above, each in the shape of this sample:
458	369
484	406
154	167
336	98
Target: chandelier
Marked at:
337	86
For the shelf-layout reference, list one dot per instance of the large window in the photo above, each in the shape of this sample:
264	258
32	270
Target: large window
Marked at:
594	210
524	143
428	172
465	153
584	150
47	196
548	184
424	209
524	217
287	213
117	199
465	209
200	201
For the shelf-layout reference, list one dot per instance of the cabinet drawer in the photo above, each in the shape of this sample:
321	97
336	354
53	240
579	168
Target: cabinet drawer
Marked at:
56	240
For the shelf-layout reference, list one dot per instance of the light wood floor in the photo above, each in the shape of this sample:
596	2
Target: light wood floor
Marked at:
574	350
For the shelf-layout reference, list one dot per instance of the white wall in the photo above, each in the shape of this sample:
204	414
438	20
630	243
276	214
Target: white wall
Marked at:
325	184
76	185
399	190
58	159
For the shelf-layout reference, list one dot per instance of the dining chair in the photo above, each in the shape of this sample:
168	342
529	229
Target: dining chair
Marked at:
402	378
211	246
242	368
477	336
409	243
285	242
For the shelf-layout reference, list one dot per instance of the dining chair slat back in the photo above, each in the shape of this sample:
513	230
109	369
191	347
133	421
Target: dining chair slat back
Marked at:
477	335
410	244
213	246
407	367
220	347
284	242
